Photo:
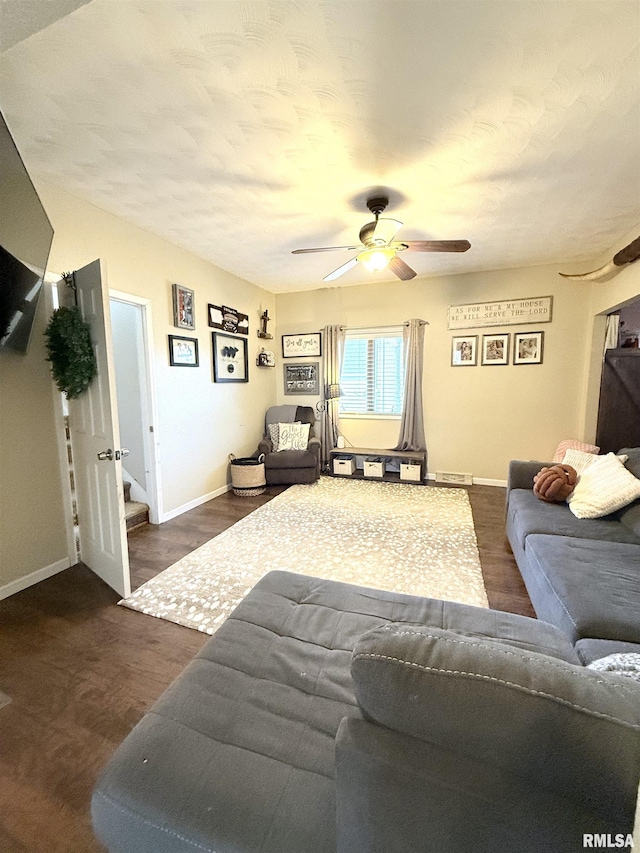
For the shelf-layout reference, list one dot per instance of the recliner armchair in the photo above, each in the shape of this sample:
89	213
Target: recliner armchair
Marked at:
286	467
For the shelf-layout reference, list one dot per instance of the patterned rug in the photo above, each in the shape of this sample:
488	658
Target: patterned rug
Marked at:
394	536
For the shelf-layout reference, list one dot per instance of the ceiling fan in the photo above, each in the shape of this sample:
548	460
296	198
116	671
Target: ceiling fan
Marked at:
380	248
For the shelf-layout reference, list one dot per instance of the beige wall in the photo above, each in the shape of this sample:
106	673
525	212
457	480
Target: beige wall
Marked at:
477	418
199	422
32	531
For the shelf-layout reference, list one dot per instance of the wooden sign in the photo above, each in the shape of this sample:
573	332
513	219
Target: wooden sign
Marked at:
508	312
228	319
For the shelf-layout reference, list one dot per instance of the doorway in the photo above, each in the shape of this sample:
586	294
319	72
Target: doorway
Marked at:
619	405
131	336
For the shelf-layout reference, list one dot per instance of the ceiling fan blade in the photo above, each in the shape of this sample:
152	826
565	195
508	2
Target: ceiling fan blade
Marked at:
341	270
324	249
386	230
402	270
433	246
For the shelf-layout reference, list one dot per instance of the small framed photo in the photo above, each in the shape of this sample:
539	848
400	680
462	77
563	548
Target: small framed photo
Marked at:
183	352
495	349
528	347
464	351
230	362
184	315
302	378
295	346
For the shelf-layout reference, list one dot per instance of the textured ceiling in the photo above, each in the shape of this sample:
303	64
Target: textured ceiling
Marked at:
243	130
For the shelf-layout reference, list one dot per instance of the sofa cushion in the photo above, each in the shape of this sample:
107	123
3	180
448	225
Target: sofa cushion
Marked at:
384	779
593	588
513	709
291	459
528	515
633	459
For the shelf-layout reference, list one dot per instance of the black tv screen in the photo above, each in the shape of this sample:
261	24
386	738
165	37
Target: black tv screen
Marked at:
25	240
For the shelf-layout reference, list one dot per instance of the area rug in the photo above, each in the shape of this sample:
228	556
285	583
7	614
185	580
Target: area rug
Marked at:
393	536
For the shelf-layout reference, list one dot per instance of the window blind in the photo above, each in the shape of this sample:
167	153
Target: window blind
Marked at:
372	378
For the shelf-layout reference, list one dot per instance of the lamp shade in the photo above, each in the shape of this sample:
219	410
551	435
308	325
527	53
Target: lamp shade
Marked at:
331	392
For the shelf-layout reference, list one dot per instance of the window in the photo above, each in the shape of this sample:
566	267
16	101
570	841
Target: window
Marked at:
372	378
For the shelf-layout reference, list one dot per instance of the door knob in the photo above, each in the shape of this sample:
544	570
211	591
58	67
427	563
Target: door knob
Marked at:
105	454
124	451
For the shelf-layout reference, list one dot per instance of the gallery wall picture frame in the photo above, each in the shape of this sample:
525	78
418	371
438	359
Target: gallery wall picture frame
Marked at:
228	319
528	347
300	346
303	378
184	311
495	349
183	352
464	351
230	362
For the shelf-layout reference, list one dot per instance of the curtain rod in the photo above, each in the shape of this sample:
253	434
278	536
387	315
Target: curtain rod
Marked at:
391	326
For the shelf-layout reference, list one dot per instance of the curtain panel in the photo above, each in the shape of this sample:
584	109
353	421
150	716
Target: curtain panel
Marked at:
412	435
333	349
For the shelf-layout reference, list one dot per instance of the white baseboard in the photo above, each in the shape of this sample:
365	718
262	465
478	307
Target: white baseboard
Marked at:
480	481
174	513
33	577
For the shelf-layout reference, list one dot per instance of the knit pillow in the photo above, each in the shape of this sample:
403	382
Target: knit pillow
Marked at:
603	487
570	444
554	484
274	435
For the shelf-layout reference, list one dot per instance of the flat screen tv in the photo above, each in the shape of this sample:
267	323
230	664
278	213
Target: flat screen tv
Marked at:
25	241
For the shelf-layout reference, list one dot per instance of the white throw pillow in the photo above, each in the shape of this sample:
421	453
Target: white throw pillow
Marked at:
293	436
603	487
572	444
621	663
578	459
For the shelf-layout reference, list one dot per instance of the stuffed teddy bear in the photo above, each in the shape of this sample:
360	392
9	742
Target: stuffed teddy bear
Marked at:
555	484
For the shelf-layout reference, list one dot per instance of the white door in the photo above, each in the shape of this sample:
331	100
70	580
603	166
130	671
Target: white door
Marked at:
95	443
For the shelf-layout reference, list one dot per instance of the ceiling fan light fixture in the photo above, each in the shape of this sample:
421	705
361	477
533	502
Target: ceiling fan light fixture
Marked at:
376	259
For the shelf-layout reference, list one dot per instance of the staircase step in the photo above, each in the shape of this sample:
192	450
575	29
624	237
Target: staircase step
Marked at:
136	514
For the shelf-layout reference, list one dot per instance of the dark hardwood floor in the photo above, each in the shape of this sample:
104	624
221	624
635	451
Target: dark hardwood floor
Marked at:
81	672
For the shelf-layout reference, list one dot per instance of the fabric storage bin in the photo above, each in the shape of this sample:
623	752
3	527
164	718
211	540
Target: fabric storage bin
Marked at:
374	466
247	475
410	471
344	465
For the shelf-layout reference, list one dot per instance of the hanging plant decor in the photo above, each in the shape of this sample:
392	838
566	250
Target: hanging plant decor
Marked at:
73	364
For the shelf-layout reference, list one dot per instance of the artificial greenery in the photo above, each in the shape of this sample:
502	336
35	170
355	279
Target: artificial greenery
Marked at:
73	363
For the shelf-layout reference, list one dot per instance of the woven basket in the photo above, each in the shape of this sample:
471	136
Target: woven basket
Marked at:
247	475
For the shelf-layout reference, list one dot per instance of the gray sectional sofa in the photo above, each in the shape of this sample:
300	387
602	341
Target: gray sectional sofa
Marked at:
329	718
582	575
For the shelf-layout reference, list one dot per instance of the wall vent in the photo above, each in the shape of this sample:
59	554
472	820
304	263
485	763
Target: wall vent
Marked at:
454	478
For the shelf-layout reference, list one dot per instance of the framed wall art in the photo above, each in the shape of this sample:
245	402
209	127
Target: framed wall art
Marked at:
528	347
302	378
296	346
464	351
495	349
183	352
230	362
228	319
184	315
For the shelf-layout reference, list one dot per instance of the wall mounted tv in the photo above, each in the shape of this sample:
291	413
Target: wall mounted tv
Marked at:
25	240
